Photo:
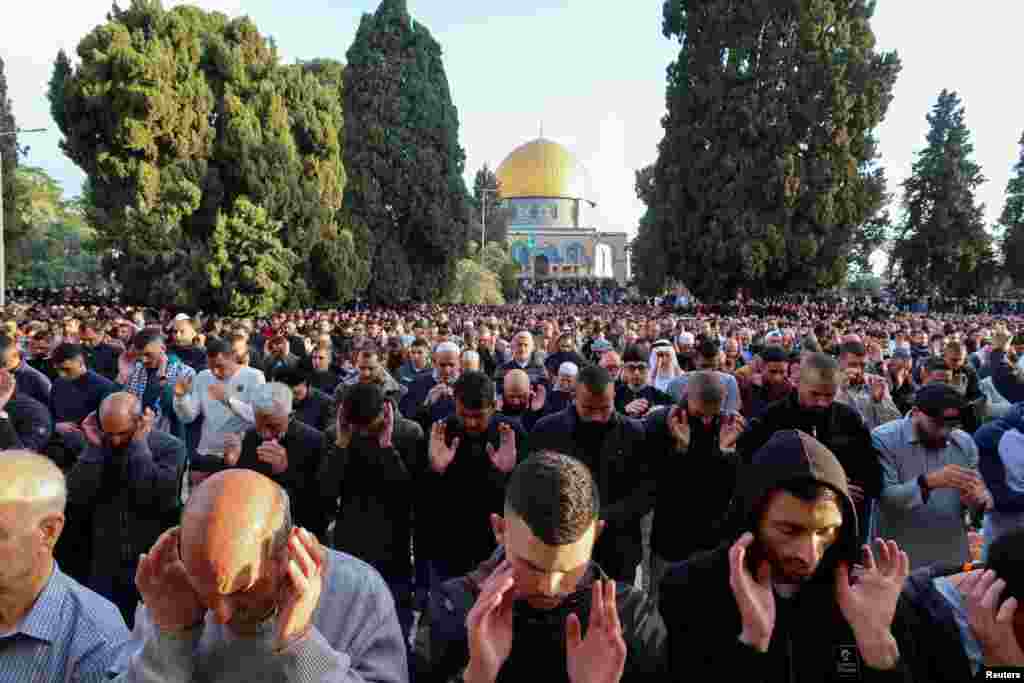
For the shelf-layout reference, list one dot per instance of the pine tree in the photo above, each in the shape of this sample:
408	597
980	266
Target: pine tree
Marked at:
187	125
764	175
942	245
403	156
1012	222
9	151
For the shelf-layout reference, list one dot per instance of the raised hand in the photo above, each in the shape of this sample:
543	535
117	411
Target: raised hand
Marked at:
343	434
729	433
217	392
91	430
274	454
183	386
679	427
754	596
504	458
7	387
385	438
303	584
538	397
438	392
232	449
991	622
441	454
146	422
489	626
870	604
172	603
601	656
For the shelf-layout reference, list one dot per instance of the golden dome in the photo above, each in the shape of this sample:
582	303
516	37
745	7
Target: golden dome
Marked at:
541	168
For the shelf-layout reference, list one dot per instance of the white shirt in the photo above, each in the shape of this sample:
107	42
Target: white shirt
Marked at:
219	419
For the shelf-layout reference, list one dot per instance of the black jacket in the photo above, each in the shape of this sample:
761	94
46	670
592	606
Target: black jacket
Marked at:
623	470
369	492
28	425
103	359
453	514
315	409
811	641
134	495
1006	380
941	656
840	429
693	489
306	447
538	651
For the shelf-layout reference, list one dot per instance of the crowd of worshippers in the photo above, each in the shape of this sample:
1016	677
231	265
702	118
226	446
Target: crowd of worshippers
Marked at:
380	496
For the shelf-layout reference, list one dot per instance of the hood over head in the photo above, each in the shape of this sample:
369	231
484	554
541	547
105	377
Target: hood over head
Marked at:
793	456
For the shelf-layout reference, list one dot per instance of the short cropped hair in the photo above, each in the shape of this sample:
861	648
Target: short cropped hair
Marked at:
65	352
595	378
216	346
363	403
555	495
705	388
853	349
474	390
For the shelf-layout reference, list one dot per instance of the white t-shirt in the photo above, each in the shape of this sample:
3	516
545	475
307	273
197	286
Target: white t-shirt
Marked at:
218	419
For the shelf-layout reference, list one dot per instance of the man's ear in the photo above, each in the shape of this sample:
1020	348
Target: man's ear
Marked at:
498	526
51	527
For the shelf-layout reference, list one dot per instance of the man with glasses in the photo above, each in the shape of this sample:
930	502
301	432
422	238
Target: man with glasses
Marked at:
129	479
930	478
633	395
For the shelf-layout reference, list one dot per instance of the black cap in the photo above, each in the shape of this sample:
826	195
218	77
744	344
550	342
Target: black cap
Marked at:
935	399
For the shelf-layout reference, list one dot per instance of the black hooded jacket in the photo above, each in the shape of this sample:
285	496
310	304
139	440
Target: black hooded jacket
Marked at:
811	641
538	643
840	429
693	489
941	656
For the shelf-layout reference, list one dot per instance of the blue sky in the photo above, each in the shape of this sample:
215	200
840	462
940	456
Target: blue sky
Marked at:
592	70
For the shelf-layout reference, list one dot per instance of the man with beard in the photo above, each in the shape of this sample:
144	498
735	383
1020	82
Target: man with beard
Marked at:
867	394
612	446
931	478
778	601
183	333
311	406
322	375
429	398
693	441
633	395
899	372
130	477
773	385
367	487
812	408
519	615
521	401
612	362
471	455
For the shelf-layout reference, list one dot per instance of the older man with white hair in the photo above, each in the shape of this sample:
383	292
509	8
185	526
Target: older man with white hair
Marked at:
51	627
432	392
523	358
283	449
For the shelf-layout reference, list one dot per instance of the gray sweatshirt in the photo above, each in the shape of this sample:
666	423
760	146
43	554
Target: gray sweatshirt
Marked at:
355	638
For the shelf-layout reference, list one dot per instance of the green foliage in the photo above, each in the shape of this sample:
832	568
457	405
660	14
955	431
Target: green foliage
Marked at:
403	156
1012	222
249	268
496	219
942	244
178	116
765	175
9	154
475	284
55	247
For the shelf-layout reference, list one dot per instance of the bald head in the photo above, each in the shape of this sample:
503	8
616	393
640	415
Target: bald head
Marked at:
232	525
121	406
32	479
517	380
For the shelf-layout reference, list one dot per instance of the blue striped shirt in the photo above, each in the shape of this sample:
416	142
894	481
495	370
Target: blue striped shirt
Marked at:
70	635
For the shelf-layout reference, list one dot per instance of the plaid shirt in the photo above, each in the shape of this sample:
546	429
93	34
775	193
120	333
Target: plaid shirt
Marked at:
139	378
